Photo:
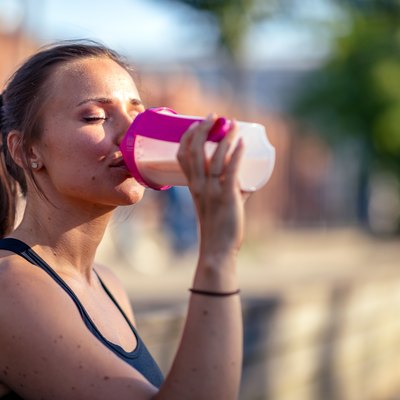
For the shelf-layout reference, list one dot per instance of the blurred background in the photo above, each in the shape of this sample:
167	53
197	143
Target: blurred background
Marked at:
319	266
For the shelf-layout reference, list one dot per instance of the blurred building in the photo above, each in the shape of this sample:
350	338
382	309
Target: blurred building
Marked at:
14	46
300	191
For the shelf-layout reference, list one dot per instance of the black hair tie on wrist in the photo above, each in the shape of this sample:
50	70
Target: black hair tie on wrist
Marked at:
214	294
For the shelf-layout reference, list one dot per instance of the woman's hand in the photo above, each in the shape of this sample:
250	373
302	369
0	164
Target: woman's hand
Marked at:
212	339
215	188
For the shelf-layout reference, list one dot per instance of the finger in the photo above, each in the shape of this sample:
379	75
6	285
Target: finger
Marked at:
196	148
218	160
183	151
232	168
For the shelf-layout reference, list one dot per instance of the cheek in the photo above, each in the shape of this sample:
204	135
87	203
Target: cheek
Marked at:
92	148
77	147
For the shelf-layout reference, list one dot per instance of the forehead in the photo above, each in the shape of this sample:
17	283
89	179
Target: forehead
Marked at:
88	77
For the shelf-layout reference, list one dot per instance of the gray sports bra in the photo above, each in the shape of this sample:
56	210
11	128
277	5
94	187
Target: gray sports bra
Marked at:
139	358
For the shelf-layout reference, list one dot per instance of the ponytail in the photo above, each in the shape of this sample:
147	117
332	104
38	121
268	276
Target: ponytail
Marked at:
8	186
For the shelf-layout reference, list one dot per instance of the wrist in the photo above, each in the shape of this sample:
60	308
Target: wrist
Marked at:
221	261
216	272
214	294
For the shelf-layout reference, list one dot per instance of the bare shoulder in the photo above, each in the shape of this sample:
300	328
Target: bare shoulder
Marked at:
27	294
116	287
46	350
21	281
17	276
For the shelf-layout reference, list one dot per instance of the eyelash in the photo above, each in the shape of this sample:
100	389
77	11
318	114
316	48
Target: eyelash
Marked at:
94	119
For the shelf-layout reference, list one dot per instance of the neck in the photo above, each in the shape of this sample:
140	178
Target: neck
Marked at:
67	237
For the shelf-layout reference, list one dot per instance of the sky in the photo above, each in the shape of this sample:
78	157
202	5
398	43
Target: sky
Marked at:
155	30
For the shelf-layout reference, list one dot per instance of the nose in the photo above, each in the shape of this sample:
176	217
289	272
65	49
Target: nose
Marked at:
124	122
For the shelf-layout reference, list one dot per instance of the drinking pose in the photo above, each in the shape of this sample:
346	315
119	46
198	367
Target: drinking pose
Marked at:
67	330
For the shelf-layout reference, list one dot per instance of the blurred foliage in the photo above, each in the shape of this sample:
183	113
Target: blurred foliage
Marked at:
356	93
233	19
372	5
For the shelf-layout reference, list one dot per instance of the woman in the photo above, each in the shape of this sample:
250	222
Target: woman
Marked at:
66	326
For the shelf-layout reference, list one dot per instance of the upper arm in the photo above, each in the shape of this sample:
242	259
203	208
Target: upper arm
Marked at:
47	351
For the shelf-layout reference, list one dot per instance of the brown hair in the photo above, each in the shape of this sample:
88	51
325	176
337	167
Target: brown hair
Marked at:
21	107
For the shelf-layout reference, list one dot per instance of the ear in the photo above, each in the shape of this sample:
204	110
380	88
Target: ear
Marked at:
14	143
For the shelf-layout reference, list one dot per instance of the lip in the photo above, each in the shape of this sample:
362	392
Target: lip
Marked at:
118	163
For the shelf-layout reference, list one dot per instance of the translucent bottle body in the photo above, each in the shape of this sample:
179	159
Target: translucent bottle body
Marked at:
154	160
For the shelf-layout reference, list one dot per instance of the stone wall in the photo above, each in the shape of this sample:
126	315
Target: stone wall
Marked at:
312	343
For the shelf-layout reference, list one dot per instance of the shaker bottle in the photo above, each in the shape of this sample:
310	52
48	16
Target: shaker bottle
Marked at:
150	147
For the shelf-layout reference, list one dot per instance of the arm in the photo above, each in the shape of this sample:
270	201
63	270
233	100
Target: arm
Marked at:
209	358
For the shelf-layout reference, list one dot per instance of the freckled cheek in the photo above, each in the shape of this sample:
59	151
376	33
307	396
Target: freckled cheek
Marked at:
96	147
64	135
86	151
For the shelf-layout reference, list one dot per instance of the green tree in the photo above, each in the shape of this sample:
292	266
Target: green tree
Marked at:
356	93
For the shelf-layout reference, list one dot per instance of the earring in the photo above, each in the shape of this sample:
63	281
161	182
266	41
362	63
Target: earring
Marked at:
34	164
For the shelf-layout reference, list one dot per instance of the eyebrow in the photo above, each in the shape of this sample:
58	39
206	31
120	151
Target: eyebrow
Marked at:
105	100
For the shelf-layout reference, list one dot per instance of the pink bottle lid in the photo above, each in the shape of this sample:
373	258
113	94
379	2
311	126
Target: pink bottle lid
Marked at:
162	124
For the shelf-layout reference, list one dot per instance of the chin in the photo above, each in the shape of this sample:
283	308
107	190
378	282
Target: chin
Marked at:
130	194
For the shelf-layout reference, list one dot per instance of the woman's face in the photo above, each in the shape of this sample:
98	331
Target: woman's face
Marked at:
91	104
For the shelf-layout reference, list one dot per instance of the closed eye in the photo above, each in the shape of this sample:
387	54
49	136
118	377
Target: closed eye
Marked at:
94	119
